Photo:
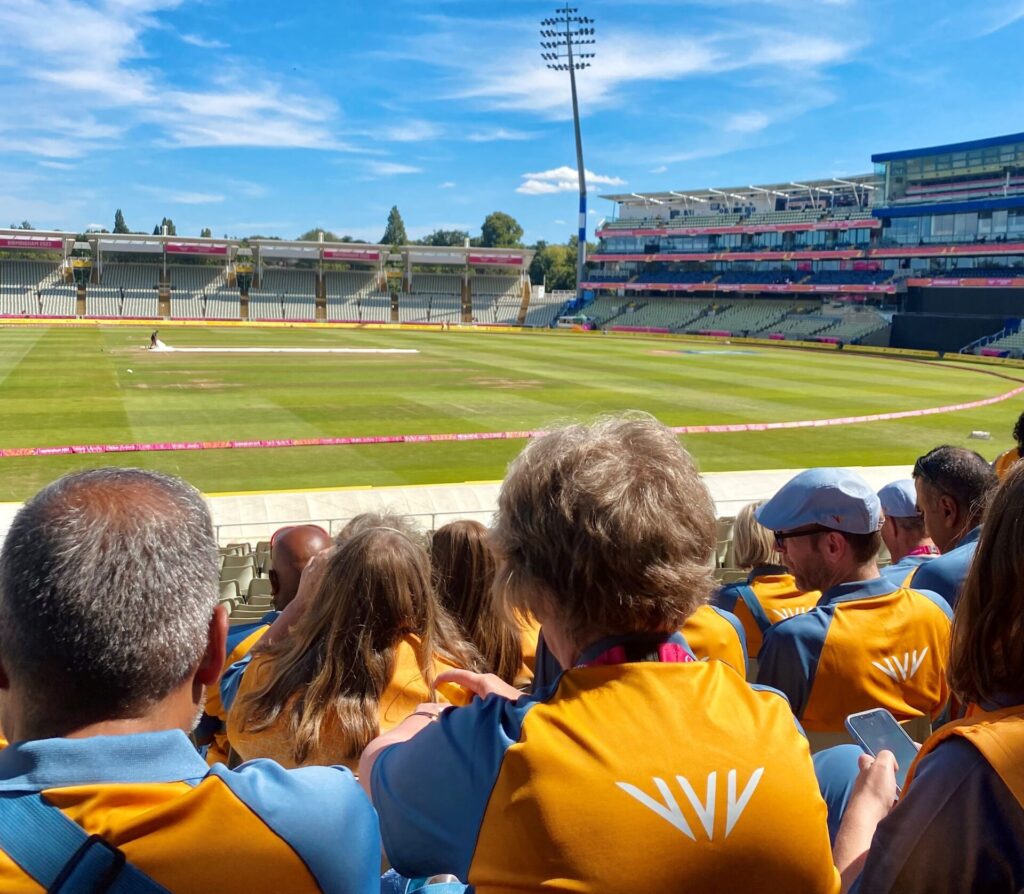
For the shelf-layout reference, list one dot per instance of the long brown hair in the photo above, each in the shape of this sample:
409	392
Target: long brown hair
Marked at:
464	566
340	655
987	653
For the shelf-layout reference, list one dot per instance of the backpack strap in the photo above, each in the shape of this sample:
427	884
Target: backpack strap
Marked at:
750	600
60	855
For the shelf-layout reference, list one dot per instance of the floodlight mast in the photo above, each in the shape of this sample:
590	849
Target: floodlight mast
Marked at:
562	33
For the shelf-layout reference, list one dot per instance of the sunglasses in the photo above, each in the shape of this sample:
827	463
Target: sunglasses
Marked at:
782	536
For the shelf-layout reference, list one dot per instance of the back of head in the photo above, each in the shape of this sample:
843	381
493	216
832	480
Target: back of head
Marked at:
340	654
367	520
463	567
606	528
961	474
753	545
290	551
1018	433
108	580
987	653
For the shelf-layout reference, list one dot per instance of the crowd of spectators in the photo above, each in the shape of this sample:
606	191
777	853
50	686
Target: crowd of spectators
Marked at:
565	700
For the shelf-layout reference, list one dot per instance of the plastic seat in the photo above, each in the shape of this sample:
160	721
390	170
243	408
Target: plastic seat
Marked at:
259	591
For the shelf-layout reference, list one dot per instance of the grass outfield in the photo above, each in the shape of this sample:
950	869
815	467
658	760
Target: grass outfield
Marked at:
62	385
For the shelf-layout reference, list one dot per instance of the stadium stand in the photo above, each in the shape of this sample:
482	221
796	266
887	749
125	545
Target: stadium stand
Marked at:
284	294
662	313
682	222
542	310
346	289
654	277
747	316
799	325
783	217
756	277
375	307
605	307
189	286
850	277
436	284
496	298
979	273
35	287
223	303
852	327
124	290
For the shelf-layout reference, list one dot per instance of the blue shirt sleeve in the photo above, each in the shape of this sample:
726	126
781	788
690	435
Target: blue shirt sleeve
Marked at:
958	828
790	653
726	598
432	791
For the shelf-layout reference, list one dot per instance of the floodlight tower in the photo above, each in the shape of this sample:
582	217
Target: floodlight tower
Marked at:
560	35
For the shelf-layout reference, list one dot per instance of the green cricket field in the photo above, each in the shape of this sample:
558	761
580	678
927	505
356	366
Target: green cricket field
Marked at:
99	385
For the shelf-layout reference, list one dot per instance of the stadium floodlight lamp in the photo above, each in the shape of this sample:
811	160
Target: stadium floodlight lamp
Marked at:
572	30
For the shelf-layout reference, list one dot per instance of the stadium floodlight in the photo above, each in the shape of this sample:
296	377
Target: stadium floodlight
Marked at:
563	33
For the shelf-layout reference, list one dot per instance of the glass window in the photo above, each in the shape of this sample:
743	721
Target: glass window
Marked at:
942	225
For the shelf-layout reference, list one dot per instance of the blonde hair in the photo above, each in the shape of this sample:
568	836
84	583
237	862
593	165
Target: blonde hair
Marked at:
753	545
339	656
608	527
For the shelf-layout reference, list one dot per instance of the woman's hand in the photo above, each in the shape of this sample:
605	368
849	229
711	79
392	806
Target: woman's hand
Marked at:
480	685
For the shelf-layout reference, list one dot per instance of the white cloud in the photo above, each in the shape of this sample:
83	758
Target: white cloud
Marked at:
204	43
411	132
448	184
498	133
747	122
562	179
660	169
182	197
390	168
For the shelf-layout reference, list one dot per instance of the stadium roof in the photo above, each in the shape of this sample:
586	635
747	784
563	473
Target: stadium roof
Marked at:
786	190
949	147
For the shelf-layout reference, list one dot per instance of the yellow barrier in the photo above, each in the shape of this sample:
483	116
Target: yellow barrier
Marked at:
898	352
990	361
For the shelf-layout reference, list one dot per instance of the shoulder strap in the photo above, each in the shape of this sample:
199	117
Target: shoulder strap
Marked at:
60	855
753	605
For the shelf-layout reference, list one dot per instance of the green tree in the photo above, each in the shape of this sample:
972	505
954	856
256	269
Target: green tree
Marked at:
206	233
329	236
119	225
500	230
394	233
169	224
24	225
445	237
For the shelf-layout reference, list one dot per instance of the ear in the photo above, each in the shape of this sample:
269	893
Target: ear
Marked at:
212	664
275	582
950	510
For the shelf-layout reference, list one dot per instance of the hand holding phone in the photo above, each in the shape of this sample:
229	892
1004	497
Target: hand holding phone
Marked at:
877	730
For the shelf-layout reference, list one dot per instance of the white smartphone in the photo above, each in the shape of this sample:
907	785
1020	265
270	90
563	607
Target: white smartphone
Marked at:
876	731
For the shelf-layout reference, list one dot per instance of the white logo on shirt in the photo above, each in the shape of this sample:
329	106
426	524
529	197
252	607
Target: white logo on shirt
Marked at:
669	810
784	613
893	667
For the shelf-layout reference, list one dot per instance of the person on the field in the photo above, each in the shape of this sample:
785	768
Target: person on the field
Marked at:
903	531
953	488
463	566
360	653
770	593
1008	458
959	824
153	340
639	769
110	633
869	642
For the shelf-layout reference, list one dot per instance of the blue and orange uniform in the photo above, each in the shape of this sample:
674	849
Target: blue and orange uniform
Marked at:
959	825
1006	461
867	644
945	574
193	828
770	595
639	770
902	572
710	634
240	642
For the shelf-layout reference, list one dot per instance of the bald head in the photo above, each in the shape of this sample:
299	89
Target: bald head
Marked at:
290	552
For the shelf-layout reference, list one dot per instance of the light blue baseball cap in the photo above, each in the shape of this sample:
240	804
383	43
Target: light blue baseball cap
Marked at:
833	498
899	499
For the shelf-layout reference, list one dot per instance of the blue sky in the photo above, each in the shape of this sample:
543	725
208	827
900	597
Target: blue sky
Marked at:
275	117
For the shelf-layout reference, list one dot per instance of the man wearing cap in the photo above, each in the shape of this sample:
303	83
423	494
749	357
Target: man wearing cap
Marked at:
869	642
953	488
903	531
